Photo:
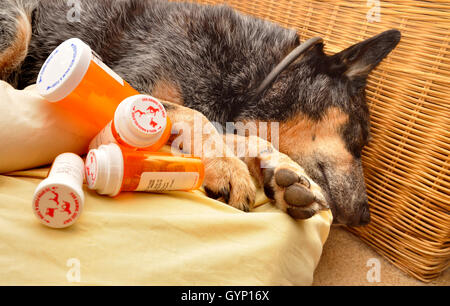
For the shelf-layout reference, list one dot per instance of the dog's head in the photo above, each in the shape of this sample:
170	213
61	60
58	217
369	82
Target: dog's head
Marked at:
328	125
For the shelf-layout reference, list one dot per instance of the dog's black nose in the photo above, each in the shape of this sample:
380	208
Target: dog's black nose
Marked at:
361	219
365	215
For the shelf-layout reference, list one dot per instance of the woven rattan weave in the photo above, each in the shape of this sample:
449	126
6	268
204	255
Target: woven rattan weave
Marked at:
407	164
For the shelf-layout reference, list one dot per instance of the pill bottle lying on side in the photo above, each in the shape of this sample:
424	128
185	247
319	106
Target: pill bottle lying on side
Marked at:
111	169
139	122
58	200
74	75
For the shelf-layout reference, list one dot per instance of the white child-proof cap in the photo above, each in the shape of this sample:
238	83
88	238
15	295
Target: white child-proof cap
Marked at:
140	120
104	169
58	200
64	69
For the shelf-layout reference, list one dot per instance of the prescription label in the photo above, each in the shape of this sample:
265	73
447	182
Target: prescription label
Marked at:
165	181
148	115
57	206
91	169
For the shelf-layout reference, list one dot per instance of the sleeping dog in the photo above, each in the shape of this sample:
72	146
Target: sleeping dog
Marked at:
208	62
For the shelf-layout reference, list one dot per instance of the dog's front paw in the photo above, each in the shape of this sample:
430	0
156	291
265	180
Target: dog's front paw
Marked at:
293	191
229	180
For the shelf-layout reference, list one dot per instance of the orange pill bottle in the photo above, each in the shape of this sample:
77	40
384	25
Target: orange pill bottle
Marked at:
74	75
140	122
110	170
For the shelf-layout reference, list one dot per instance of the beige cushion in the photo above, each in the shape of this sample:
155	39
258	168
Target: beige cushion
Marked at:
181	238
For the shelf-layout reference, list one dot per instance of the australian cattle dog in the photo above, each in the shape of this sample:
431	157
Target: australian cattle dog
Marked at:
208	62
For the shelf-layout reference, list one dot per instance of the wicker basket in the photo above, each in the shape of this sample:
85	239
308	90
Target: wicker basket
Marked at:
407	163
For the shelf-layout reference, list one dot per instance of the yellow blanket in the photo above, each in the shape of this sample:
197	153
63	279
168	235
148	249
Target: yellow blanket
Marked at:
179	238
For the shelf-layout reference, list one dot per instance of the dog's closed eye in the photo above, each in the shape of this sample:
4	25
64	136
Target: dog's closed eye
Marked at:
321	167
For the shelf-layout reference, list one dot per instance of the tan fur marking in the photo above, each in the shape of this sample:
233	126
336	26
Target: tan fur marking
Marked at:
167	90
222	174
301	135
16	53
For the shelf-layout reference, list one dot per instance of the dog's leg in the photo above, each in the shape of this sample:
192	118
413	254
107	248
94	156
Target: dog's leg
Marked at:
227	178
15	35
284	181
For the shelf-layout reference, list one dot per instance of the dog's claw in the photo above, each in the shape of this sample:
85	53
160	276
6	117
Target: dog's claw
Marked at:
211	194
304	181
268	189
228	180
225	193
222	193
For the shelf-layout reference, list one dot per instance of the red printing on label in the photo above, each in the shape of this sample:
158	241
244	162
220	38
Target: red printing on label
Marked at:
56	205
91	167
148	124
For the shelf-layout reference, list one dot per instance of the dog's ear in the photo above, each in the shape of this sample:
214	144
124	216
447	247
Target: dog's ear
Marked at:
357	61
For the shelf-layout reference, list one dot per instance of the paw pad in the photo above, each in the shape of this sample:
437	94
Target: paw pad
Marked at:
286	177
301	214
298	195
297	191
